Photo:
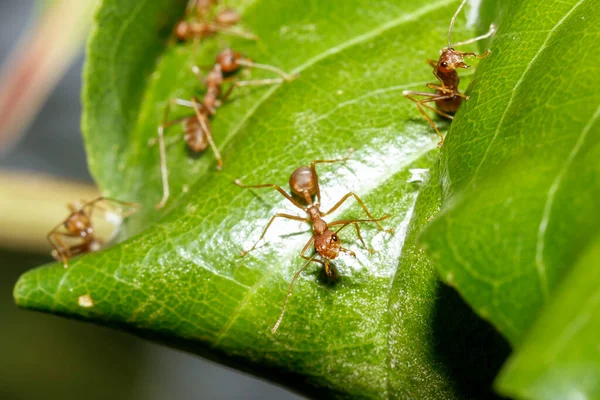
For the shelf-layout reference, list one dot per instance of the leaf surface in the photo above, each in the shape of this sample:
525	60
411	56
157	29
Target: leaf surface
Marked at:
179	279
559	356
521	182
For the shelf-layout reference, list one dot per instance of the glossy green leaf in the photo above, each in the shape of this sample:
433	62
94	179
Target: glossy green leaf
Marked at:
383	328
521	181
559	357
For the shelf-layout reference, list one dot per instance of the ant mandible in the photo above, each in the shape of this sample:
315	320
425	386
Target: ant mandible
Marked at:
304	183
79	225
197	128
447	97
208	23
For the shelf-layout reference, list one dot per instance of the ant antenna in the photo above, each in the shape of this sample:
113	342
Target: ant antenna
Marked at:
478	38
452	22
289	293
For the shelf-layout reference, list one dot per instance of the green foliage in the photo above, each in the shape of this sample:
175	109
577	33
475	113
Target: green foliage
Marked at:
519	178
521	182
374	332
559	357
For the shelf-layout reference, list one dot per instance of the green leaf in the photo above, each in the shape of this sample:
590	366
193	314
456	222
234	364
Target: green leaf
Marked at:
559	356
521	182
382	329
519	170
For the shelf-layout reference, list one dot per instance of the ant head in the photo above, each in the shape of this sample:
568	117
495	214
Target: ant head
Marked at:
450	59
227	60
303	182
328	244
182	30
78	223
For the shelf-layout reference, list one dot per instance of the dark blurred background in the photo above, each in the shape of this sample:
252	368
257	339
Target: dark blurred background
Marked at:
47	357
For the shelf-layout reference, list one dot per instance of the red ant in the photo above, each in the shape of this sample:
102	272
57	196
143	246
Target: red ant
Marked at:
304	183
447	96
208	23
197	128
79	225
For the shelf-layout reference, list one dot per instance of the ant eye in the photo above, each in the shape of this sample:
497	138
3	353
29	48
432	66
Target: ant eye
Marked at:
334	238
444	64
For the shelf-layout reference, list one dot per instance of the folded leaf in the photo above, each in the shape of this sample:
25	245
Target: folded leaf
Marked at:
559	356
519	172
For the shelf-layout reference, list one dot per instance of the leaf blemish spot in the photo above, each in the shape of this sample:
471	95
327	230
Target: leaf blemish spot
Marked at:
85	301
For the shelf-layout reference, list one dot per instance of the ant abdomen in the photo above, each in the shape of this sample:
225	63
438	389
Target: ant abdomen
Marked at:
302	183
195	136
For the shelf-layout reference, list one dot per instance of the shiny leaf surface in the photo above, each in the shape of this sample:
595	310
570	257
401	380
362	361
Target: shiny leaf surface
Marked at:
374	332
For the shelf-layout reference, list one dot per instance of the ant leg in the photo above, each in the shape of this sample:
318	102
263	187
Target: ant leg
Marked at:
109	200
471	54
306	247
196	71
431	62
345	224
239	33
444	89
79	249
164	172
314	170
489	33
294	217
424	104
271	185
362	204
202	120
57	252
289	292
284	75
62	250
260	82
443	85
432	97
355	222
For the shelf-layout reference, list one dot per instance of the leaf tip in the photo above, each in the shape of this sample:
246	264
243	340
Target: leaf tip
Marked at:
33	289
